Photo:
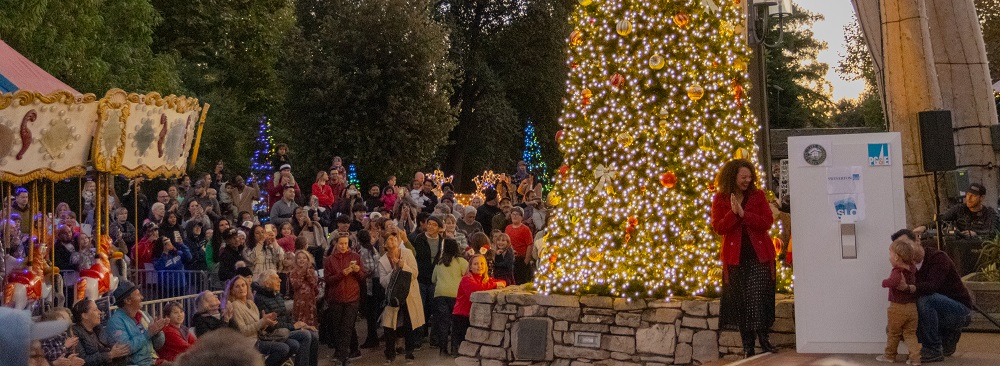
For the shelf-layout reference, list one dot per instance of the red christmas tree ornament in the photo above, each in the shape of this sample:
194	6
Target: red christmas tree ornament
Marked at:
563	170
617	80
559	136
668	179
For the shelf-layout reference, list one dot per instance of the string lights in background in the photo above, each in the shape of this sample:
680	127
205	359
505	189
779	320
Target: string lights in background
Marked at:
260	164
655	105
533	157
352	175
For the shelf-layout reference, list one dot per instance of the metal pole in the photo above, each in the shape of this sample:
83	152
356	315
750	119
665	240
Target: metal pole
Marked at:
758	90
937	212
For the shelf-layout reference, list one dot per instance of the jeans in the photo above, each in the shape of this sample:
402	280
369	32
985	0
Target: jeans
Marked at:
308	349
343	317
372	310
459	326
275	353
940	319
442	322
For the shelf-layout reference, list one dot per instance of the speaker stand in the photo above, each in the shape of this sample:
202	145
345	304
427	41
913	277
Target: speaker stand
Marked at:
937	212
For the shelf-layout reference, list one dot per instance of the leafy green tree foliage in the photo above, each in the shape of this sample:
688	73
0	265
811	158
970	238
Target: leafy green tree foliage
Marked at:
228	55
989	17
369	81
91	45
512	56
857	64
798	94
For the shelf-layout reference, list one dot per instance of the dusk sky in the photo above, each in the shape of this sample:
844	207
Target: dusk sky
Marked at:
838	13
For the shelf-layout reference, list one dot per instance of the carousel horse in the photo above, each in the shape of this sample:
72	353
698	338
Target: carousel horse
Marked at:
99	279
26	286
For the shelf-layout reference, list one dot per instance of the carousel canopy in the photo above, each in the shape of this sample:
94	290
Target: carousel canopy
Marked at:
19	73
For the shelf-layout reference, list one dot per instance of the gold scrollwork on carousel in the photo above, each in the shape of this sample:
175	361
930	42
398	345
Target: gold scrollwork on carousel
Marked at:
109	138
145	170
24	97
181	104
49	174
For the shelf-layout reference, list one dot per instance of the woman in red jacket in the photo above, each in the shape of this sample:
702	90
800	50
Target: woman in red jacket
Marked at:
344	273
477	279
177	335
742	216
322	190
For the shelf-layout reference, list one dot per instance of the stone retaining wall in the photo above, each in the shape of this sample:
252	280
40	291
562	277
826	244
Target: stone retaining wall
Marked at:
653	332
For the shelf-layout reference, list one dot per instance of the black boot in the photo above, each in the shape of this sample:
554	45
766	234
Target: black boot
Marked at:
765	344
749	338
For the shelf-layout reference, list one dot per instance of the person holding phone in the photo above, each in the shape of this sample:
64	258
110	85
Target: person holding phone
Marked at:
344	275
742	216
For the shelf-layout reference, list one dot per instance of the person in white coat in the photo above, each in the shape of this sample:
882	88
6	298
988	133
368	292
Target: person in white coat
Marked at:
400	321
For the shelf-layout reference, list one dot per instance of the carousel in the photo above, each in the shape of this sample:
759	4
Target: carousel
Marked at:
51	134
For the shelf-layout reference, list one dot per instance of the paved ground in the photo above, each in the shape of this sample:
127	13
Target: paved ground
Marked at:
975	349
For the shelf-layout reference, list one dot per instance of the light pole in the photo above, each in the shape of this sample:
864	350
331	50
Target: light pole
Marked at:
759	14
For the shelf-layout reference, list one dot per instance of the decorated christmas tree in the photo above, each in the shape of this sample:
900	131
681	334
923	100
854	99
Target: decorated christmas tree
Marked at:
260	164
533	156
654	107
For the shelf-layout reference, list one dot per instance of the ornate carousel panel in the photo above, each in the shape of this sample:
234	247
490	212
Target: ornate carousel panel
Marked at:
146	135
45	136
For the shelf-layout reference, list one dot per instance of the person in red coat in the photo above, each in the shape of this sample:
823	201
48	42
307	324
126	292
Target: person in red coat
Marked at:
178	338
344	273
322	190
742	216
478	279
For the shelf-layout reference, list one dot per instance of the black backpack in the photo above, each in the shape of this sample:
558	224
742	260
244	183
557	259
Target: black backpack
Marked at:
399	287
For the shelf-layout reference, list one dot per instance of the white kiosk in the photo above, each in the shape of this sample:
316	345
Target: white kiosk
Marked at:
846	200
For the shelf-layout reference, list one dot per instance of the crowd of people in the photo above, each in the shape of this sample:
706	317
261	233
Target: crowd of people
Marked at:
402	257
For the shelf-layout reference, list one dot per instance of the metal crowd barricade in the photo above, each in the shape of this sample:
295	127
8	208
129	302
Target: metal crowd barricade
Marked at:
156	285
155	307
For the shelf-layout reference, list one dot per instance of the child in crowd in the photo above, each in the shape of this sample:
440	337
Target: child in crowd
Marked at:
177	336
503	266
304	288
477	279
902	311
280	157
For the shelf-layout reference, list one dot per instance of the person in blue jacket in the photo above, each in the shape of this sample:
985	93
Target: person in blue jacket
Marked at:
130	325
169	261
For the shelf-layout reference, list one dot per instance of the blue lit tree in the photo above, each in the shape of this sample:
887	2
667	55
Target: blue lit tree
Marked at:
533	156
260	164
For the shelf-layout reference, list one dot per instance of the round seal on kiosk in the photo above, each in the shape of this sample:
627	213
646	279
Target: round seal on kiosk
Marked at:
814	154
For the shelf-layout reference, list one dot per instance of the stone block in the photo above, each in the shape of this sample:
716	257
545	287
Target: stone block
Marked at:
565	314
495	353
713	308
621	356
558	300
615	363
561	362
483	336
530	311
730	338
705	346
522	298
694	322
594	328
695	307
557	336
782	339
661	303
784	309
468	349
580	363
595	301
783	325
597	319
569	338
732	357
684	335
659	339
661	315
622	330
561	325
467	361
621	304
599	311
577	352
628	319
615	343
484	297
507	309
683	354
480	315
493	363
499	322
654	360
713	323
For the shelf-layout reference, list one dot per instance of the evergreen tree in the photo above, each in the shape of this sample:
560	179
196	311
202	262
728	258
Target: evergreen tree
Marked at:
533	156
654	106
857	64
260	164
798	94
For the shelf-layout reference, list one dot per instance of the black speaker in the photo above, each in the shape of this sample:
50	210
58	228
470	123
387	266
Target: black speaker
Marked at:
937	141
